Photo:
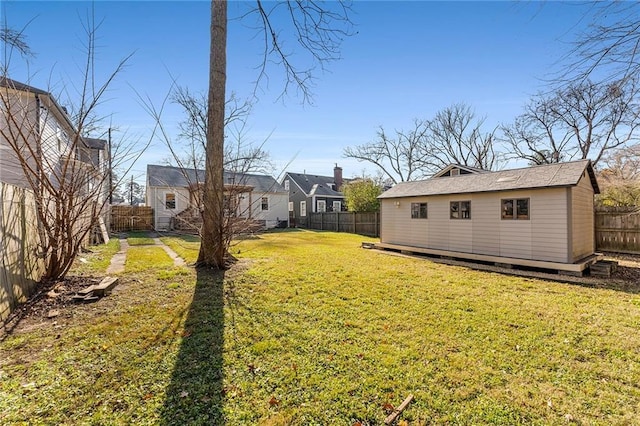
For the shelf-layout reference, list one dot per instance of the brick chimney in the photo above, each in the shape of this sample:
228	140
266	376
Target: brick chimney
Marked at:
337	177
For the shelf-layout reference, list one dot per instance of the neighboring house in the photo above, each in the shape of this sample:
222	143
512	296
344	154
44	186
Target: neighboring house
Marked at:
541	216
40	128
97	154
172	191
315	194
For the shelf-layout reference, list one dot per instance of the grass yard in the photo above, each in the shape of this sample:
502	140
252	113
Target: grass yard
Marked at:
310	329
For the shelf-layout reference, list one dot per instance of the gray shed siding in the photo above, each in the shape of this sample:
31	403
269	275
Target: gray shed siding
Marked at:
543	237
582	210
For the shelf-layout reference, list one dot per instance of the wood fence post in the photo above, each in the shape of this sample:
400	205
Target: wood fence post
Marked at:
355	223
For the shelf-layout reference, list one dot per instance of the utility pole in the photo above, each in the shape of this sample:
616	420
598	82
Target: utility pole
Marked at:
131	192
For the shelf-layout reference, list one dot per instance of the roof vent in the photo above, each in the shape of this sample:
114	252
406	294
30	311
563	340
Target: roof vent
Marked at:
508	179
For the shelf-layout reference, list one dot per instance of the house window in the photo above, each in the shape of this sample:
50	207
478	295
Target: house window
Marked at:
265	203
286	185
169	201
322	206
303	208
290	206
337	206
418	210
515	209
460	210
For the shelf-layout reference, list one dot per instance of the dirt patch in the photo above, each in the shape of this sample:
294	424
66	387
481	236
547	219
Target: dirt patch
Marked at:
52	303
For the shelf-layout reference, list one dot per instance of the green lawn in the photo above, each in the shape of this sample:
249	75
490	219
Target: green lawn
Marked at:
308	328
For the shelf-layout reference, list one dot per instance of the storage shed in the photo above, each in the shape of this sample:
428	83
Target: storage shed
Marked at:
541	216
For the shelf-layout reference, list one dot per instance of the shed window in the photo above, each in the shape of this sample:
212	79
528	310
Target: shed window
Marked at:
515	209
170	201
460	210
418	210
265	203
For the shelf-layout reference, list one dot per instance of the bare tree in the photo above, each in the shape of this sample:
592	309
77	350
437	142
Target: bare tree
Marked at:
609	48
240	153
456	136
58	163
536	136
314	28
619	177
400	158
583	120
14	39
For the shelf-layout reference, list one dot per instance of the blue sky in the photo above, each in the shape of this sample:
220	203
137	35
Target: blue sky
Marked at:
408	60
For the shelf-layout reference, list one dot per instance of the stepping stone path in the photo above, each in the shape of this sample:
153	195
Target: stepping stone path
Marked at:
117	261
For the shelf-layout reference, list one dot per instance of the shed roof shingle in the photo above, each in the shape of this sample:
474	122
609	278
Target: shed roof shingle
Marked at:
545	176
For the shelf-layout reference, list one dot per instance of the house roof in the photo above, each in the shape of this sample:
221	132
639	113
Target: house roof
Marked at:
545	176
16	85
316	185
181	178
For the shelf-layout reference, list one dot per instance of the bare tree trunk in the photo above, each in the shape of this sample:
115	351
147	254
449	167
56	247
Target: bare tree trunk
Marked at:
213	248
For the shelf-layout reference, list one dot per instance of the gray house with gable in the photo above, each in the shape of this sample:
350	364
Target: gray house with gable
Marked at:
313	194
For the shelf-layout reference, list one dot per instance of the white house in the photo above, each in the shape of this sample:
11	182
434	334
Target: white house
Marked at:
541	216
41	132
174	192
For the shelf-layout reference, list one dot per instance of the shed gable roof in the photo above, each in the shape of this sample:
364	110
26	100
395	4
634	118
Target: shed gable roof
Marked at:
463	169
169	176
545	176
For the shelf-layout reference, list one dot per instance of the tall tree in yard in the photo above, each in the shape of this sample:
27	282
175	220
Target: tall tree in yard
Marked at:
316	28
213	249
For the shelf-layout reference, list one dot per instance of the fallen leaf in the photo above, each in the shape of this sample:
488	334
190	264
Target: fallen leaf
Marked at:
387	407
273	401
184	394
148	396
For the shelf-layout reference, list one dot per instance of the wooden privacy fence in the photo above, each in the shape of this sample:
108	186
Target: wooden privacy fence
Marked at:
20	267
354	223
131	218
618	229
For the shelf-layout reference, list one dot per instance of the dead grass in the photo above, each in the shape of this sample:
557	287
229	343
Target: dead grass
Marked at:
308	328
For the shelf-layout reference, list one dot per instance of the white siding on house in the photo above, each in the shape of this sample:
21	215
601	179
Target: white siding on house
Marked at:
162	215
582	233
278	207
22	109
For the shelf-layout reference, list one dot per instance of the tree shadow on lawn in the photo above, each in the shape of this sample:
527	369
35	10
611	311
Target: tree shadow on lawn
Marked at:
195	393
